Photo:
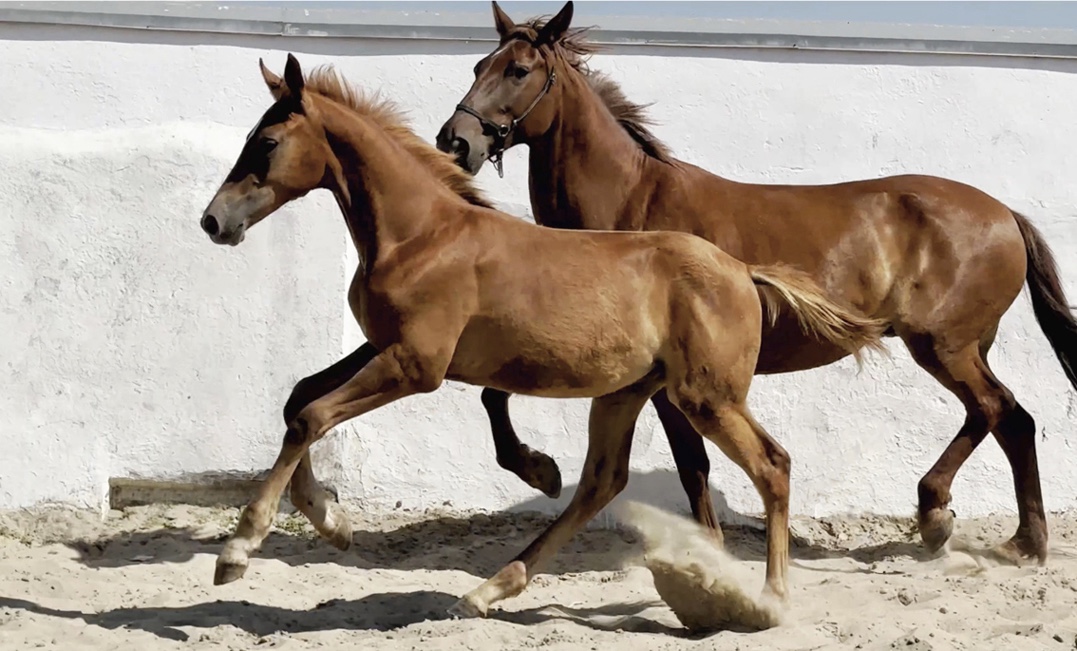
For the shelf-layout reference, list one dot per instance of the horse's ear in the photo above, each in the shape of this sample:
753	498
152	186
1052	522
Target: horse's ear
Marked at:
293	76
273	81
552	31
502	22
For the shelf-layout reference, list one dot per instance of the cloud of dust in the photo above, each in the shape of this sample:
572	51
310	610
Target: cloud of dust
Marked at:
704	586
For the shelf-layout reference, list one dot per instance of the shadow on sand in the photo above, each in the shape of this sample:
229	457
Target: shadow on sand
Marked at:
376	612
479	544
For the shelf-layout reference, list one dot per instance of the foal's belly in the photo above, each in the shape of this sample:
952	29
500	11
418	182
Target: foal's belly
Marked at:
565	366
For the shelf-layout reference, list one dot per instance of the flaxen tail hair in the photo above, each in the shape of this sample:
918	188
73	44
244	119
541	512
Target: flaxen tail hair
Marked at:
818	316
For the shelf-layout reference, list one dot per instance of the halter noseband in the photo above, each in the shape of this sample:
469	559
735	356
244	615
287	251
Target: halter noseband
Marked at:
504	130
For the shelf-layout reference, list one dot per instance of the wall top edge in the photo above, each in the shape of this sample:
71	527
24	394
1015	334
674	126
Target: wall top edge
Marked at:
455	25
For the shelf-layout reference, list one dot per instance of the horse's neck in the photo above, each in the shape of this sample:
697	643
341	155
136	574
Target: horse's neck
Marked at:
584	170
379	190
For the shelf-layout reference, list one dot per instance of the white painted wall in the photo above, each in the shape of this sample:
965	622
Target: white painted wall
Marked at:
132	346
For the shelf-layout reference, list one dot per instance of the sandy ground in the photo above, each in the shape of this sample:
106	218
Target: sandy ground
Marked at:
143	580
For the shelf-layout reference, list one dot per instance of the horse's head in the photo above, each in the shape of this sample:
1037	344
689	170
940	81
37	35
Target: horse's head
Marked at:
283	159
510	101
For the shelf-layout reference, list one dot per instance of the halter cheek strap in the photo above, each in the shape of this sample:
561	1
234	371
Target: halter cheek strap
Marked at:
502	131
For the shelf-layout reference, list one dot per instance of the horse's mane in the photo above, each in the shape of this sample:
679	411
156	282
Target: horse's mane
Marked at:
575	49
324	80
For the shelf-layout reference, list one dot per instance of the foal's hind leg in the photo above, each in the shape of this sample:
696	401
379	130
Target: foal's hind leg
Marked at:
605	474
537	469
306	493
1016	434
690	457
732	428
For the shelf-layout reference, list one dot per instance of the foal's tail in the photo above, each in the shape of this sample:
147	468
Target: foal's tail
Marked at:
817	314
1049	304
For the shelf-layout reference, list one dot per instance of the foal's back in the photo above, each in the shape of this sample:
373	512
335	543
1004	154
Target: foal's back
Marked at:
584	313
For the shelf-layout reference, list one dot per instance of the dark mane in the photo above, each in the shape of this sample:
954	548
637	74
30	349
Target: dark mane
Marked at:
575	49
325	81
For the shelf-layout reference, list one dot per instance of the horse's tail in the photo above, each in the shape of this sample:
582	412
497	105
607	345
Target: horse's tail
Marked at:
817	314
1049	304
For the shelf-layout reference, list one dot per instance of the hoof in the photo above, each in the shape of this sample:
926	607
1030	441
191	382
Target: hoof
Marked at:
228	572
936	527
467	609
1020	551
777	598
341	536
541	472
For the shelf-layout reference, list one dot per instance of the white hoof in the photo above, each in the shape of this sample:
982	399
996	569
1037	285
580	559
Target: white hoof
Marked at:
467	609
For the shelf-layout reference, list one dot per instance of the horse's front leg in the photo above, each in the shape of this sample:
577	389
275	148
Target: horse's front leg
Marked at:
307	494
395	373
537	469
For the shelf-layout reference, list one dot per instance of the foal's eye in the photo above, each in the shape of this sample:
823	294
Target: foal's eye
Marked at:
267	144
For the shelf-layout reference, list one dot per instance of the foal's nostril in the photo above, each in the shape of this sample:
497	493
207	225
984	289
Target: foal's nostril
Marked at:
210	225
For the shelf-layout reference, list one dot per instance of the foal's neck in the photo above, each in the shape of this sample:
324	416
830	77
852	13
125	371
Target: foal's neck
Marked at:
385	195
583	171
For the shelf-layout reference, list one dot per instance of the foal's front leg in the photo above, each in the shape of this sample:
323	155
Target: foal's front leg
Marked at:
307	494
393	374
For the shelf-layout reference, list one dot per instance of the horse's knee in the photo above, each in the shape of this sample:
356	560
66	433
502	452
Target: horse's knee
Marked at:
298	399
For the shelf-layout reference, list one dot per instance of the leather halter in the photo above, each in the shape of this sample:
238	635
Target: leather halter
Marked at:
502	131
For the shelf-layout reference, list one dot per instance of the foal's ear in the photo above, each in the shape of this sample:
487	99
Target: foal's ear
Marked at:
502	22
552	31
273	81
293	76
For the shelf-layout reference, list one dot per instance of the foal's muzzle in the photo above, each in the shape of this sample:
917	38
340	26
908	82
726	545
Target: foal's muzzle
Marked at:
212	226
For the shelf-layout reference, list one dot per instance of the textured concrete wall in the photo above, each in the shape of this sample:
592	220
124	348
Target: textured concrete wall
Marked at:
134	347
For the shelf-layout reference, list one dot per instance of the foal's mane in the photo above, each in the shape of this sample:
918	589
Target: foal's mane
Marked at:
325	81
575	49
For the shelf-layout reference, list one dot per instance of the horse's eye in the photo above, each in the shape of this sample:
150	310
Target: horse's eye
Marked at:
267	144
520	73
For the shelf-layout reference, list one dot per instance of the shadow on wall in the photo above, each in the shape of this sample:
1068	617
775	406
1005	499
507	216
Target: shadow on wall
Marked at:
661	488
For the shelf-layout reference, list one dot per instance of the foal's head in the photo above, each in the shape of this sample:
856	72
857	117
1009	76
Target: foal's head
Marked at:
284	158
511	99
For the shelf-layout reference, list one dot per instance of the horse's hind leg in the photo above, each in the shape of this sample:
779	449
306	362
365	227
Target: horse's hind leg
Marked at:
1016	434
989	406
690	457
538	470
604	476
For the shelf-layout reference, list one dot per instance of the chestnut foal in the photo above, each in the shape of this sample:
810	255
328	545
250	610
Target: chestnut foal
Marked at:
448	287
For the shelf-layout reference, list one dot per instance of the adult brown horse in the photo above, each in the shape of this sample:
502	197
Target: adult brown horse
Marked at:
938	260
448	287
